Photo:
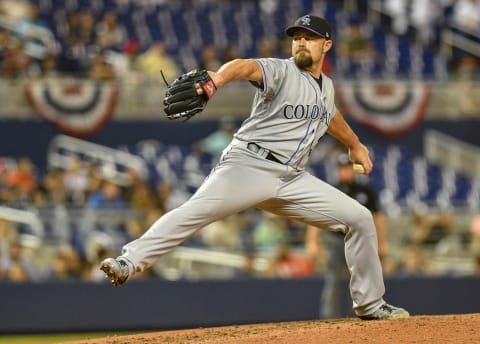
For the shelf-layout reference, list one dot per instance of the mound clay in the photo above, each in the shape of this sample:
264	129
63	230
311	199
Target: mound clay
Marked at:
456	329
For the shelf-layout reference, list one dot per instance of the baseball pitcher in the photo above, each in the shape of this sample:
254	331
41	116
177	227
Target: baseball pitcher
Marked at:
264	166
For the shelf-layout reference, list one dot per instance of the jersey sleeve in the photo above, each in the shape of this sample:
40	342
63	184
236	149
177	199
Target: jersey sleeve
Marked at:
273	72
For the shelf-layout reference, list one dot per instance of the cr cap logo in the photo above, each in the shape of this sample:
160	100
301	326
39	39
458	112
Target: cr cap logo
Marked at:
306	20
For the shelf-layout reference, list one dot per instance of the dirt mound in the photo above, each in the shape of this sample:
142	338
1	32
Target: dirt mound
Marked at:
417	329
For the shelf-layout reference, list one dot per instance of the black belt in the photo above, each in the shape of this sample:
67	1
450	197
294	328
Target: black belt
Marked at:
252	146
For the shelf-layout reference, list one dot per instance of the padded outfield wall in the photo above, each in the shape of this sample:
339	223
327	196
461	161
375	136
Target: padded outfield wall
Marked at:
157	305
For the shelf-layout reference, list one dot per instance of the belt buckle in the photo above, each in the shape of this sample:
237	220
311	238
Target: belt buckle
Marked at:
258	150
263	152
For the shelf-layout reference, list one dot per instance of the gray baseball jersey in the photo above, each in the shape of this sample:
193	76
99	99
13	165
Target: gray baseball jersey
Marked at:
263	167
290	112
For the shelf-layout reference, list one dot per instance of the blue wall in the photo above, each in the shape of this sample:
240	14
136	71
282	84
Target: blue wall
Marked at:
156	304
31	137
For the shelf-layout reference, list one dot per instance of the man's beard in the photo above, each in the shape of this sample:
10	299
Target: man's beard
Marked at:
303	60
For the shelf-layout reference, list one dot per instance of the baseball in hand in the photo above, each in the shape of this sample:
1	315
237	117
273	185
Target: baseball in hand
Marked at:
358	168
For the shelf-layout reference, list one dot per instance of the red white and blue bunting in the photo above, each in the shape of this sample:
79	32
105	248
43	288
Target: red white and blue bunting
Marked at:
391	109
77	107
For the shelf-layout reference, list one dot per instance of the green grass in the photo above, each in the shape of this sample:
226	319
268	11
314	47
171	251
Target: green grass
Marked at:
54	337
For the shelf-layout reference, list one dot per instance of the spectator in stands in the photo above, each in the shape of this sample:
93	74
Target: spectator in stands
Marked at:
356	49
6	193
53	182
36	37
140	196
94	179
476	265
8	235
398	10
465	20
247	269
72	29
289	264
67	265
16	267
23	177
57	224
136	227
76	181
85	35
475	241
468	68
209	59
230	53
424	17
105	216
100	69
16	63
108	197
80	43
270	232
156	59
414	262
267	47
124	62
390	265
15	272
285	48
431	228
169	197
49	67
196	166
91	271
465	15
71	54
111	35
8	42
224	234
216	142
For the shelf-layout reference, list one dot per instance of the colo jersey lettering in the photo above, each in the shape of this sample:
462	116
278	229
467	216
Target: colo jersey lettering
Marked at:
290	112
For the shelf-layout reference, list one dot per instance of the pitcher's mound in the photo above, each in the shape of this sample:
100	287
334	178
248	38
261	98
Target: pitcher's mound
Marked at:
464	328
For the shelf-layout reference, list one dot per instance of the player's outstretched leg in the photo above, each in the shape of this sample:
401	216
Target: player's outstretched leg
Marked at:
233	176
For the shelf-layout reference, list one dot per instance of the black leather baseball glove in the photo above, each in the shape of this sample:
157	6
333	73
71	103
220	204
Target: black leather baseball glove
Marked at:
182	100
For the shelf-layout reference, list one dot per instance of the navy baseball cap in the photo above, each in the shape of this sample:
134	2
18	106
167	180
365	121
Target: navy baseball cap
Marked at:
314	24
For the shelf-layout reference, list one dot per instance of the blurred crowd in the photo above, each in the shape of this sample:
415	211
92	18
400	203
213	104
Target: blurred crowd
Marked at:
86	217
95	47
100	46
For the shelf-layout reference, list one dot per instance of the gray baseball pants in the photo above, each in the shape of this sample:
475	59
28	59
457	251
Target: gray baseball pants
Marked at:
244	179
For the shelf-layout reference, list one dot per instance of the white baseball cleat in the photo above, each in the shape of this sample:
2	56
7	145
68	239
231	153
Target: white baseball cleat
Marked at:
116	270
386	312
